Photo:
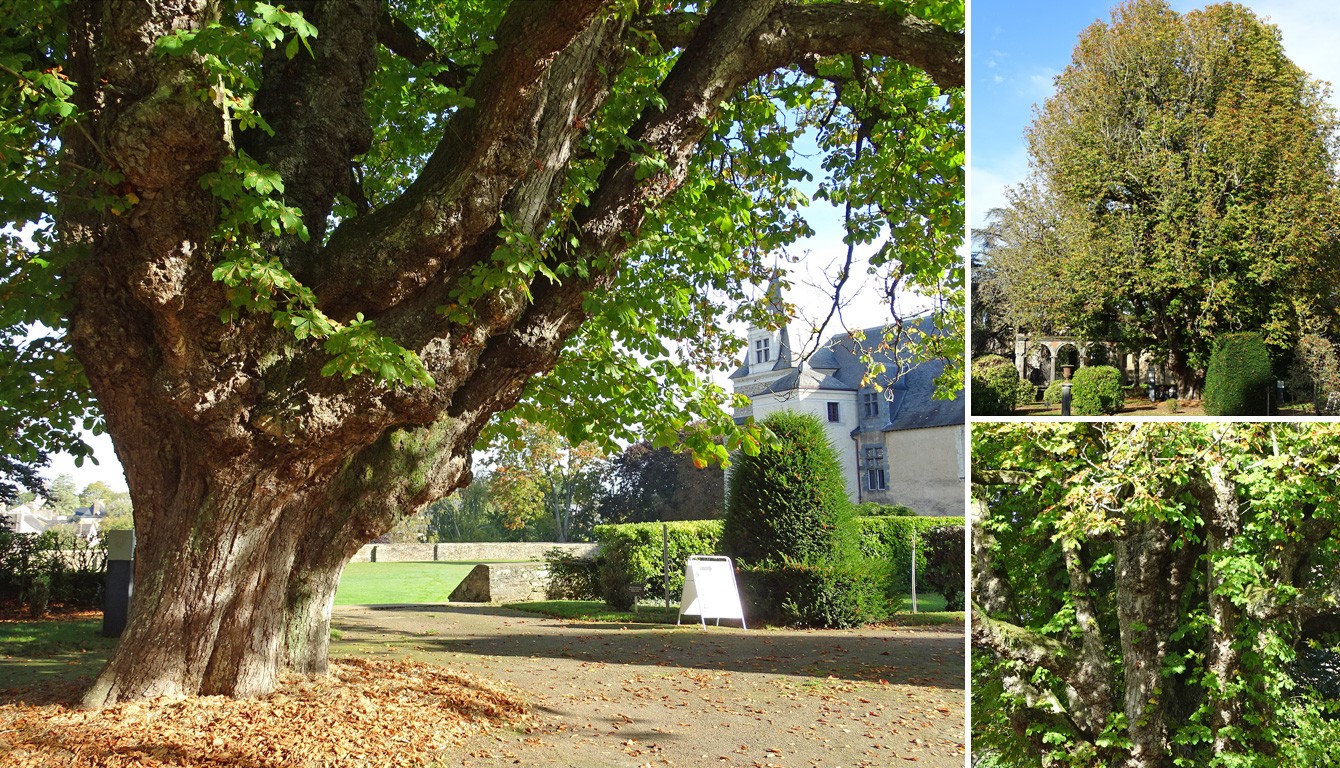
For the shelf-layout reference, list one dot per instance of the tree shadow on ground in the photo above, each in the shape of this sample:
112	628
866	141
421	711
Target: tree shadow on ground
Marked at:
918	657
487	609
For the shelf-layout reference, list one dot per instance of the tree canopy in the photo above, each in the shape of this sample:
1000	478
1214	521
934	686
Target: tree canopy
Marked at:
1155	594
646	484
1184	185
298	257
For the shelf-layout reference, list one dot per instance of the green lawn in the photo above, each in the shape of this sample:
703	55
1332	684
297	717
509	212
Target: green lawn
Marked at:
33	652
927	602
373	583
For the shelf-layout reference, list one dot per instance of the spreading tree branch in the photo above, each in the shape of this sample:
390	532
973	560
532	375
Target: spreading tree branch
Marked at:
401	39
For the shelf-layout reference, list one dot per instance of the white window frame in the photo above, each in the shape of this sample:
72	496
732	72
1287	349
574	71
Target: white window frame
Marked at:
763	350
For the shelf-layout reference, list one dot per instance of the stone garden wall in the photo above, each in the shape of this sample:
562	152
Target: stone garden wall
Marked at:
502	552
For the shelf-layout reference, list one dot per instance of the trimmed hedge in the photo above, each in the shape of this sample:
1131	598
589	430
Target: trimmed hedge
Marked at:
40	570
631	556
1096	390
943	551
827	595
889	539
1238	378
875	509
572	577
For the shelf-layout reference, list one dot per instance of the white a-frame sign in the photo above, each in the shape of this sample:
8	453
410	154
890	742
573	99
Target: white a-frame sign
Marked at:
710	591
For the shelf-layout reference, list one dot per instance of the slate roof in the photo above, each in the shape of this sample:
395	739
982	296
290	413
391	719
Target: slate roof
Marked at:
837	366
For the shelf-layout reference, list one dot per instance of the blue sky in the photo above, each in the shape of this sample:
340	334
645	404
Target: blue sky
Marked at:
1019	46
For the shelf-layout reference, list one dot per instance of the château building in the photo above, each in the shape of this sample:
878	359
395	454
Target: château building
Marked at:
898	445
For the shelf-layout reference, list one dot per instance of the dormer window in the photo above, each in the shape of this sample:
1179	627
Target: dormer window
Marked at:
763	350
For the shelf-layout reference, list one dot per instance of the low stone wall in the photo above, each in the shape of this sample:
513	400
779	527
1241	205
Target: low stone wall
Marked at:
502	583
503	551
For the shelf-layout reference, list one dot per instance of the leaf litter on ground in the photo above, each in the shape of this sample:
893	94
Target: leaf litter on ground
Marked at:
366	712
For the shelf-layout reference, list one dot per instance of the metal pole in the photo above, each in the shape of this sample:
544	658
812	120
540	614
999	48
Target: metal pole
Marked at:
665	561
914	570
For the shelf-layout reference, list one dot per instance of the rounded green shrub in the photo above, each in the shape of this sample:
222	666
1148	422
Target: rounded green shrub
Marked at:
1096	390
790	500
1053	394
996	387
1238	379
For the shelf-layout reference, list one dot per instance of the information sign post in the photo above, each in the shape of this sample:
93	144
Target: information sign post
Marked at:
710	591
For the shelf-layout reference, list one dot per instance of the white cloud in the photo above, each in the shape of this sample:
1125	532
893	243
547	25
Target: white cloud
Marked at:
1040	85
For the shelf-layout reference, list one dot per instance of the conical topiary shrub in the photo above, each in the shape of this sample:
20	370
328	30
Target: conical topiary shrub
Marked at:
789	526
790	500
1238	379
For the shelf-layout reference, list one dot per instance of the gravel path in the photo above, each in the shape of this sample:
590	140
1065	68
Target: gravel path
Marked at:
643	695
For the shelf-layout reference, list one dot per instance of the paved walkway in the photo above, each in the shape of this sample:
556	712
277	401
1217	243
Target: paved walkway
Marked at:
641	695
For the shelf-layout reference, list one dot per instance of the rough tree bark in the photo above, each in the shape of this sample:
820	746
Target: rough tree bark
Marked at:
255	477
1152	575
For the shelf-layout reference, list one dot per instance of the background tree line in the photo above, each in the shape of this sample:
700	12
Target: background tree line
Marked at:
63	497
541	487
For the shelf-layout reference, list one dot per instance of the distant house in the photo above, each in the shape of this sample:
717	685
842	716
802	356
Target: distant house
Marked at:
34	518
898	444
27	518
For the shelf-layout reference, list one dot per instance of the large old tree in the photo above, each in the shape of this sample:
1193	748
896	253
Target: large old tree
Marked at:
299	256
1184	185
1156	595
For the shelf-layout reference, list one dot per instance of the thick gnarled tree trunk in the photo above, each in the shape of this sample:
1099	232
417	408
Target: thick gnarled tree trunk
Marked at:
254	476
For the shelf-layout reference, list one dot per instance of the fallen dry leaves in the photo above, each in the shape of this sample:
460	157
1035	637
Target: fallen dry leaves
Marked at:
365	713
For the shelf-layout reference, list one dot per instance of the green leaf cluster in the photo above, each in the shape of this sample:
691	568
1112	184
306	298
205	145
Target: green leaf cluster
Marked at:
230	53
1062	505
